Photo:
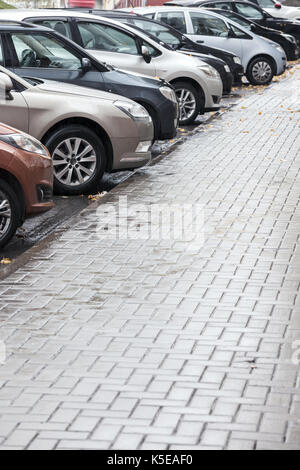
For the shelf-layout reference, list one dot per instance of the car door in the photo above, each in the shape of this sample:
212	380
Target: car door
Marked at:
113	45
46	56
13	107
215	32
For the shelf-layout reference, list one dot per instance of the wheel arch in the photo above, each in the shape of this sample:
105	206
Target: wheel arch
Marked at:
264	56
17	188
192	82
92	125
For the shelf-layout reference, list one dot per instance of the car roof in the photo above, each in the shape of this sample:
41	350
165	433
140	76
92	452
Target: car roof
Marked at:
14	25
40	13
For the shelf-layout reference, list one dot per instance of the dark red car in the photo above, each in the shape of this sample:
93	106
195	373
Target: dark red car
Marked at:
26	180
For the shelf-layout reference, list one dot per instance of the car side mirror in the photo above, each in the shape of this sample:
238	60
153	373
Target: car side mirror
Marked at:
252	27
6	85
278	5
146	54
86	64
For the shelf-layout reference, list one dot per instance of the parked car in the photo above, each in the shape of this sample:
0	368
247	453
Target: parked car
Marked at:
170	38
261	58
198	86
249	10
278	10
173	38
34	51
286	41
26	179
86	131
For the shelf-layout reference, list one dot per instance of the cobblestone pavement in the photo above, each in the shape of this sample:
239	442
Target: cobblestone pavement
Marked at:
147	345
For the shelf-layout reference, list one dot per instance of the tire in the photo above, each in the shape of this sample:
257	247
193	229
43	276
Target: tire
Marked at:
9	213
74	174
187	93
260	71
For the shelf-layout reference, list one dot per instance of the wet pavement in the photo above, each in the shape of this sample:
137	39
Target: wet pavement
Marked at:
38	228
162	344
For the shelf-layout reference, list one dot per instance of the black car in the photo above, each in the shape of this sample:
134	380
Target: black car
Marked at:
170	38
248	10
179	41
22	52
287	41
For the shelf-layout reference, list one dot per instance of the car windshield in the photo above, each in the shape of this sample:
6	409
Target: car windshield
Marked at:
41	50
237	19
159	32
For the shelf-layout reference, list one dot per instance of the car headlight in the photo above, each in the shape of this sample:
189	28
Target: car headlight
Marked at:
209	71
237	60
290	38
133	110
168	93
24	142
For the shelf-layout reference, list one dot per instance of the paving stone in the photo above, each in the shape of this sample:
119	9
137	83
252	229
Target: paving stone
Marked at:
161	344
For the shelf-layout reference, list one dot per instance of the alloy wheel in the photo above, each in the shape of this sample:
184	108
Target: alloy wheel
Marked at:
262	72
74	161
5	215
187	103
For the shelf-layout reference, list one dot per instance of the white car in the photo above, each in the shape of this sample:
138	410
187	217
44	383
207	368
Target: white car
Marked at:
277	9
198	85
260	57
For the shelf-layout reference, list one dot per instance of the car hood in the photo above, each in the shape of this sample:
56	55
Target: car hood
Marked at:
5	130
65	88
132	79
203	56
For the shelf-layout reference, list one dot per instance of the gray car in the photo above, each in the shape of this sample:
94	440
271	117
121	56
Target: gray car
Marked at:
260	57
86	131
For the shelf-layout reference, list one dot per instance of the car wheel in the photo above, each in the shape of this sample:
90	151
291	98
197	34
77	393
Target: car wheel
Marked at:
189	102
9	213
260	71
79	159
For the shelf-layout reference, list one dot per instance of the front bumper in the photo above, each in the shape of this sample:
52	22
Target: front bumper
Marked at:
168	113
281	65
293	53
213	94
126	156
36	177
238	73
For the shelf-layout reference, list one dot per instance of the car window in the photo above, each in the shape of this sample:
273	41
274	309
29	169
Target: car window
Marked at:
239	33
59	25
238	19
249	11
103	37
223	6
156	29
208	25
1	53
176	19
265	3
41	50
